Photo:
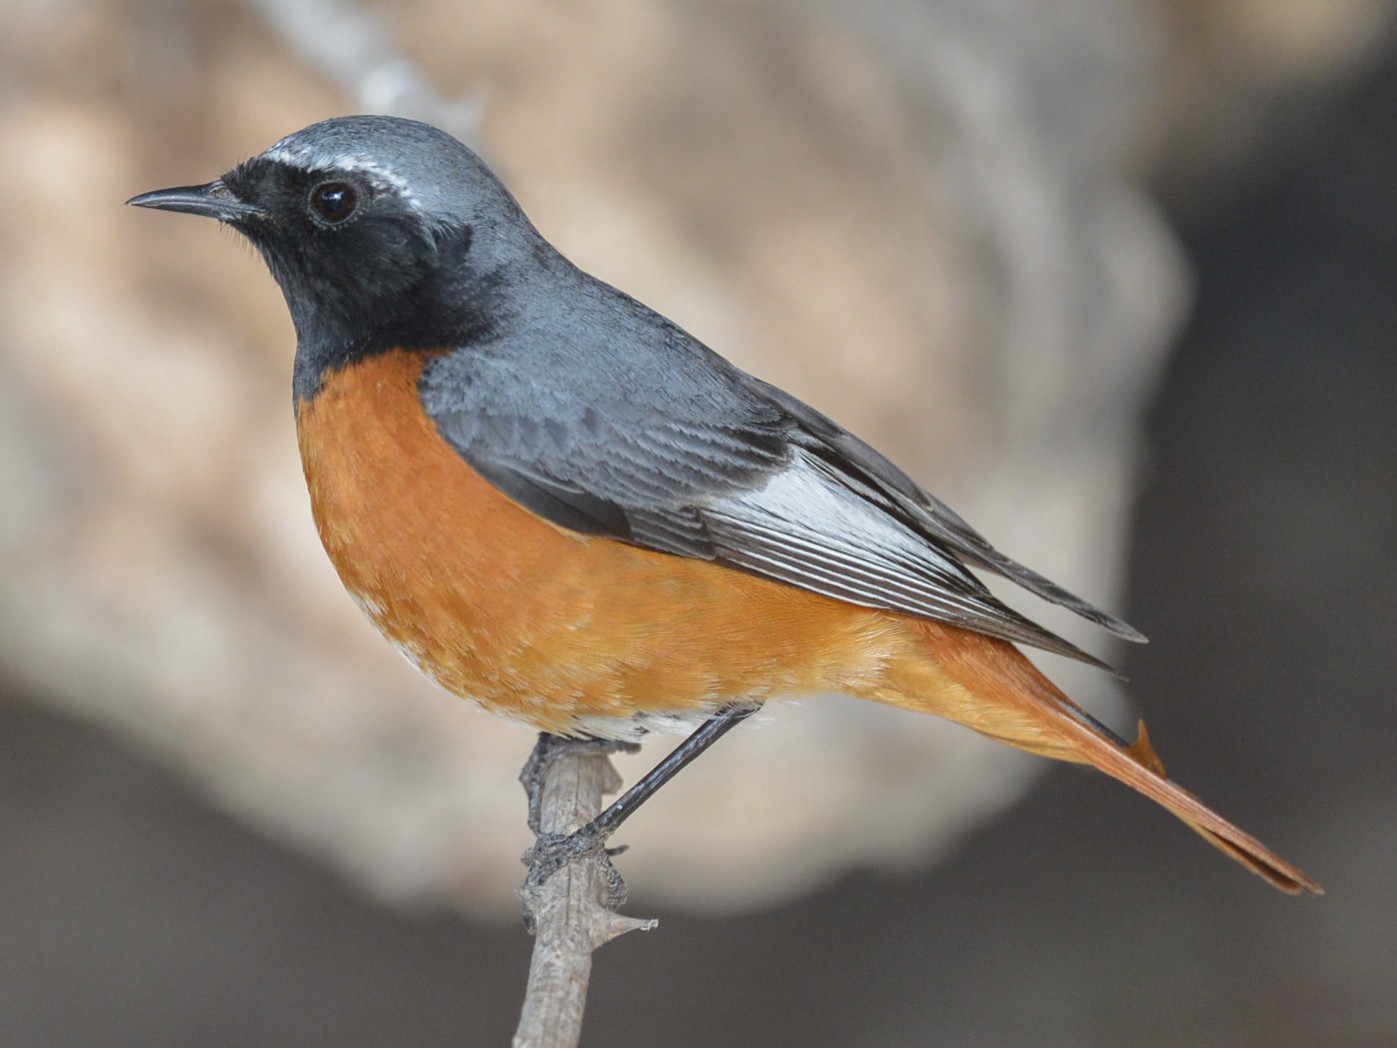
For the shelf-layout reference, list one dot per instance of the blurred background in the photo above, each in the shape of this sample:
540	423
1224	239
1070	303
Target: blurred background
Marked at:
1114	277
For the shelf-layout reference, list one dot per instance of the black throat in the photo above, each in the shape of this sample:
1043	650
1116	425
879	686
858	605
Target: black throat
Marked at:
452	303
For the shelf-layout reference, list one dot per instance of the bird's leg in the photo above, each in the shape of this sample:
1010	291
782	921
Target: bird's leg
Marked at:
704	736
554	851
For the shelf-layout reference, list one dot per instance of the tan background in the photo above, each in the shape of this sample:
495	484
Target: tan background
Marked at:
926	219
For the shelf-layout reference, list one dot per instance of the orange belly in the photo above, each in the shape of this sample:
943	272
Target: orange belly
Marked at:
545	625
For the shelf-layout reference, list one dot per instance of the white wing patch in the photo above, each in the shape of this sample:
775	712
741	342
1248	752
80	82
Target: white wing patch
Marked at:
807	528
804	525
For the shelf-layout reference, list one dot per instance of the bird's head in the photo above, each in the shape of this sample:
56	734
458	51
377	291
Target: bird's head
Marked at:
378	230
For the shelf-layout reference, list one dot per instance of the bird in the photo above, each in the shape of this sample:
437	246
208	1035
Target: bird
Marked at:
560	505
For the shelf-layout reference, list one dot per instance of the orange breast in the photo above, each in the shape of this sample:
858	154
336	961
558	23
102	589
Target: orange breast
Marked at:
541	624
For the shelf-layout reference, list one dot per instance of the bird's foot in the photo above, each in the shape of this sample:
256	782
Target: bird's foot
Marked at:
548	749
554	853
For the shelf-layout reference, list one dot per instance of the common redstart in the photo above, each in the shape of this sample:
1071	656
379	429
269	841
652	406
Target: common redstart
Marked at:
562	506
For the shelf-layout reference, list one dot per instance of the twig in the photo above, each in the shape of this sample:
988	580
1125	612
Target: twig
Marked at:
351	44
572	911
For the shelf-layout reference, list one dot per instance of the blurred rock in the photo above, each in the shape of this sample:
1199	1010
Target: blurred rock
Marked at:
1241	73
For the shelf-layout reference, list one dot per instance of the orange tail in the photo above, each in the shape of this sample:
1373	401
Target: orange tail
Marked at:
990	686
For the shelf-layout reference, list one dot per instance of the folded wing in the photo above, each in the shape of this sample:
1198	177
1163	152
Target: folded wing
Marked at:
746	476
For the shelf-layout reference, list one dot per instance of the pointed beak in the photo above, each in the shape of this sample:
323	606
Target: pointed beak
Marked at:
214	200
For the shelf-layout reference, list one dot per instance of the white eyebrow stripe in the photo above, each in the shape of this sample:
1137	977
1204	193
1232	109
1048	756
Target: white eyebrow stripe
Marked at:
282	153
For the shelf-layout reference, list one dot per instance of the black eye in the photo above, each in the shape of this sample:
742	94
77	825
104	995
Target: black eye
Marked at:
334	201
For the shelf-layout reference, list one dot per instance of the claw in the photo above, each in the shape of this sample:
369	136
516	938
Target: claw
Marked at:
553	851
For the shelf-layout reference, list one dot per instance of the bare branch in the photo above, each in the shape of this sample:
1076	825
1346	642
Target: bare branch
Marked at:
573	911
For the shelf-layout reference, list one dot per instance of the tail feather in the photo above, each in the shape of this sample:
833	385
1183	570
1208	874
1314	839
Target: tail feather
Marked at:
1138	766
998	692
